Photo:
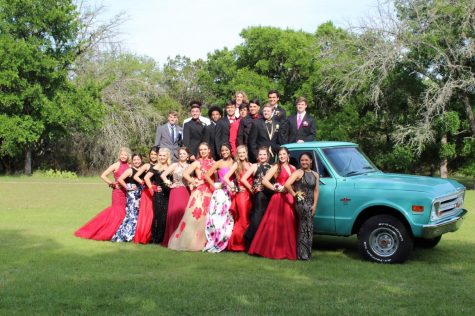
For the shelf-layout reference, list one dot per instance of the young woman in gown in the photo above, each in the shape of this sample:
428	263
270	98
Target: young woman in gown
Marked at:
219	223
160	194
190	234
275	237
179	194
241	203
126	230
143	232
104	225
303	186
261	195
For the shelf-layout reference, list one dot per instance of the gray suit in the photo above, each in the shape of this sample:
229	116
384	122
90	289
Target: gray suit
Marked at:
163	139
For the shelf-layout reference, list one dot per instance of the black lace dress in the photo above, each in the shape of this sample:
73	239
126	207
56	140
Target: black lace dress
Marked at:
303	211
260	201
160	206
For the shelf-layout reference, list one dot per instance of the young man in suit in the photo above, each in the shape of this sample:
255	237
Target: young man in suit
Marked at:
169	135
193	130
278	113
265	132
300	127
246	123
214	113
224	126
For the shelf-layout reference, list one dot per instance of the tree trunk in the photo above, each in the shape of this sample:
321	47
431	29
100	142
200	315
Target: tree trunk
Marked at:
468	109
443	164
28	162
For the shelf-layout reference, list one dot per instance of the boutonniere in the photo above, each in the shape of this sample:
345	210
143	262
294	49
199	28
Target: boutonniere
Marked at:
203	124
276	126
277	112
305	123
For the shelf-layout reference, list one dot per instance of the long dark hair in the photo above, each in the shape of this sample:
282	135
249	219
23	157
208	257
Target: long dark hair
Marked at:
228	147
279	164
155	149
309	155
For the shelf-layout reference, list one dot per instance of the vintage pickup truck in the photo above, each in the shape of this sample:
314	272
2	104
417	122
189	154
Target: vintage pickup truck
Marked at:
388	212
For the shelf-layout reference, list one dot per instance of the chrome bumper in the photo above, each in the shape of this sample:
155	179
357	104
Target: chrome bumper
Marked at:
450	224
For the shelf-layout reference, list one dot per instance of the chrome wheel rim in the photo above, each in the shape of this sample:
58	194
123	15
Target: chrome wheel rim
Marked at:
384	242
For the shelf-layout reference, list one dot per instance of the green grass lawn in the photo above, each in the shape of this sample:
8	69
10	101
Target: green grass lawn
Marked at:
45	270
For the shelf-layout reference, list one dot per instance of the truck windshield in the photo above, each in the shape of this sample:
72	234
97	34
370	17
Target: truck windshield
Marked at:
349	161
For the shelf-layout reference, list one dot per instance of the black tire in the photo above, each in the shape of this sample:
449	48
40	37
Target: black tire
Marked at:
384	239
427	243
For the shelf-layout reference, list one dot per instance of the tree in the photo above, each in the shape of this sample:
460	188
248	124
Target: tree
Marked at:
431	44
134	104
38	45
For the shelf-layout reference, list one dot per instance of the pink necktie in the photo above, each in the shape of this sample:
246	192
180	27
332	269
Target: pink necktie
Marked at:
299	120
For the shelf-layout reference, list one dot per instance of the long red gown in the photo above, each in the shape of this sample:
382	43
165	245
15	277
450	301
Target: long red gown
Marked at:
143	232
104	225
276	235
241	212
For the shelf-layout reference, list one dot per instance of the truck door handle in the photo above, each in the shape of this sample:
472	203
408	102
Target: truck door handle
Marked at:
321	182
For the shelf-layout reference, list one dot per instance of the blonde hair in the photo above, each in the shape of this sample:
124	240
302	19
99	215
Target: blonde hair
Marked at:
124	150
245	99
240	164
168	153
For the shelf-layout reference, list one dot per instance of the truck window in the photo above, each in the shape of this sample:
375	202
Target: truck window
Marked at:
318	167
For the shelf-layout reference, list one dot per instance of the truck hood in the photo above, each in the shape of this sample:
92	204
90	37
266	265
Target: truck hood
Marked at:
403	182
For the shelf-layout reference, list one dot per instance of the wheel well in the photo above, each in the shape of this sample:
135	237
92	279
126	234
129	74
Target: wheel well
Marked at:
378	210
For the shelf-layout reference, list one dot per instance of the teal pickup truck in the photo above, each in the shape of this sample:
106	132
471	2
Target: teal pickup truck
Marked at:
388	212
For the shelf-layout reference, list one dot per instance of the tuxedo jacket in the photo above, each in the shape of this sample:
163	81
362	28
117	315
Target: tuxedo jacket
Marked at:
279	114
163	139
259	136
244	130
209	137
222	132
193	135
306	132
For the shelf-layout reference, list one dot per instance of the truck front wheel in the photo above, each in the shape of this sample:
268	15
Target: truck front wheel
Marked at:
384	239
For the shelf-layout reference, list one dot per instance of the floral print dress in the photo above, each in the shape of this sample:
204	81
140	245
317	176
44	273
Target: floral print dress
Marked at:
219	223
190	234
126	231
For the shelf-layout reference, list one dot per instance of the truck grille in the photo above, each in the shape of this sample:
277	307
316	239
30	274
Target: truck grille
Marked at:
447	205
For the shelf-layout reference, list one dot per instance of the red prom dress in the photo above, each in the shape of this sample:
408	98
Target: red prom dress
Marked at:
104	225
143	233
276	235
178	200
241	212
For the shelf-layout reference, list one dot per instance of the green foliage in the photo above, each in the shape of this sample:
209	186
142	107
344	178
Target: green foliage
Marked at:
38	45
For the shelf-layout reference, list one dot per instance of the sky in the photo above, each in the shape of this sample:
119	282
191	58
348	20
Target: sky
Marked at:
193	28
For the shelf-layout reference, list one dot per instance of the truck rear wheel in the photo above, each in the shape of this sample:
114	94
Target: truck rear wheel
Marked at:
384	239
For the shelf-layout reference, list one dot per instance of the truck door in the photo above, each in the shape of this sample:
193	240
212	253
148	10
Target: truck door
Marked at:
324	221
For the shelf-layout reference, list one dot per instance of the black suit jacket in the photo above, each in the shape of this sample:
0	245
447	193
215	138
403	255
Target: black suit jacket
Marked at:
279	114
193	135
259	136
306	132
209	137
244	130
222	132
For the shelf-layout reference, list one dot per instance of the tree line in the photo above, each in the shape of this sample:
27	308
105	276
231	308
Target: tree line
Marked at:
401	84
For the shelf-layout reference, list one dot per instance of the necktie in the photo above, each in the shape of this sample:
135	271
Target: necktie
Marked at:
173	133
269	127
299	120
